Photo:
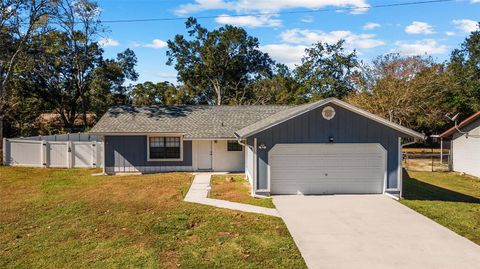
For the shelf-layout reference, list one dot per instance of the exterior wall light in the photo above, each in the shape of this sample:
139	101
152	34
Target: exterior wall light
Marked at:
262	146
331	139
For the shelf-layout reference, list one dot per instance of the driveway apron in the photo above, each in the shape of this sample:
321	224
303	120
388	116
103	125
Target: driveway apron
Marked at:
371	231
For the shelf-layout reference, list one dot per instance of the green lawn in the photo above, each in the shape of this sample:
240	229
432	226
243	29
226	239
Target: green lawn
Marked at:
66	218
448	198
236	189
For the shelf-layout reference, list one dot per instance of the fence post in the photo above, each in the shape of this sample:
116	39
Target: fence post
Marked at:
44	152
4	151
94	155
69	154
441	150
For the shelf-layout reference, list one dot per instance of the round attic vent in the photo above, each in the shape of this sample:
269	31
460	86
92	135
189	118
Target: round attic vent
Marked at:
328	112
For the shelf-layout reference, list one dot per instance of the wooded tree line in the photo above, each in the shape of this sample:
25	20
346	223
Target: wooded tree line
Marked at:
51	60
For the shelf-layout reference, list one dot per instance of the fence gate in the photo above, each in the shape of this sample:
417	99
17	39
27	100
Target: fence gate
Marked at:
58	154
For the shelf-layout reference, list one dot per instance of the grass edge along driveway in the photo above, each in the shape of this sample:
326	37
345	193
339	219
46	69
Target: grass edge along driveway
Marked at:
67	218
448	198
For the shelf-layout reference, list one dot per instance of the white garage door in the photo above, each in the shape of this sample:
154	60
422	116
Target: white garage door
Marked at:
327	168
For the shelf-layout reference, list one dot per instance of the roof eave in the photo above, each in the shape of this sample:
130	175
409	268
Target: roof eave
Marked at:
464	123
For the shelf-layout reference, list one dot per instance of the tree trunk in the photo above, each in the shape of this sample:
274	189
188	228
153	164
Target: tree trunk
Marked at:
218	92
219	98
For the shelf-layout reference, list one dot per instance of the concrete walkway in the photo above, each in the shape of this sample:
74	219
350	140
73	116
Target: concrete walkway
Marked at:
198	194
371	231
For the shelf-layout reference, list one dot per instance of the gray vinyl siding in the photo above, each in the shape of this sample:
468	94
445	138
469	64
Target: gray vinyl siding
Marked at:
345	127
129	154
466	151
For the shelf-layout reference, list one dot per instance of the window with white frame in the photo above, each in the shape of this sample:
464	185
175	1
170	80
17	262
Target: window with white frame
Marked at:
165	147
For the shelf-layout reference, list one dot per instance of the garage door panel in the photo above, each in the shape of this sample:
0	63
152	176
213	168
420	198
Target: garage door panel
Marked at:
327	168
322	169
323	161
344	177
325	171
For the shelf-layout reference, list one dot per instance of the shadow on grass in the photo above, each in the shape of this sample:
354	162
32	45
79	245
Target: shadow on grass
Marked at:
414	189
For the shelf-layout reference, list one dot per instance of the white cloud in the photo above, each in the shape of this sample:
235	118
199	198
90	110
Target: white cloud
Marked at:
419	27
371	26
359	6
474	1
307	19
251	21
134	44
425	46
108	42
448	33
352	40
466	25
156	44
285	53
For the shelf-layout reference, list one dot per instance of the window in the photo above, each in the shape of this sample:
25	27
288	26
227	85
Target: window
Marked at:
164	148
233	145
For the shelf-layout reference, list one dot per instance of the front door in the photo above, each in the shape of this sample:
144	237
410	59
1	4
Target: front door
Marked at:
204	155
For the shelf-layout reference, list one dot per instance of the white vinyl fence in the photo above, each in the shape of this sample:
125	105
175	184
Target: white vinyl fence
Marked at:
59	154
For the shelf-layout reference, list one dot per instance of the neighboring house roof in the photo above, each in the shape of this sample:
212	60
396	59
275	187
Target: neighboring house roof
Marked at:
192	121
464	123
215	121
298	110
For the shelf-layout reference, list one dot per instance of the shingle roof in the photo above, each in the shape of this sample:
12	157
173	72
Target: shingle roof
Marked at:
193	121
287	114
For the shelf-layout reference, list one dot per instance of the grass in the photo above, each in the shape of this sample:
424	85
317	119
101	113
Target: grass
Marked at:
423	150
448	198
236	189
425	165
66	218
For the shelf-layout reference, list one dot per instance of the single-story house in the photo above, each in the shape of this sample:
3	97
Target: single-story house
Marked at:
324	147
465	145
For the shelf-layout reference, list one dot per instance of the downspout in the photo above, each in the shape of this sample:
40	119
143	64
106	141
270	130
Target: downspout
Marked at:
400	182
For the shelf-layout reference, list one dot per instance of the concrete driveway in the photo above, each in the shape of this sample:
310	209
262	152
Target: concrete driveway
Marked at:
371	231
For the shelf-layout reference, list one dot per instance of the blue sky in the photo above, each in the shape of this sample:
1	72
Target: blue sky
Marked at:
434	28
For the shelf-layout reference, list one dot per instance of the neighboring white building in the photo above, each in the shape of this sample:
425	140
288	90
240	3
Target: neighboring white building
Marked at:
465	146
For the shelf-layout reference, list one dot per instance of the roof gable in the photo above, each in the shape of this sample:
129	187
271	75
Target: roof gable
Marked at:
285	115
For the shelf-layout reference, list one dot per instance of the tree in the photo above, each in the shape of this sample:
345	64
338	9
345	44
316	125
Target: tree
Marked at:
19	21
282	89
326	70
411	91
218	66
162	93
79	20
47	74
107	86
464	67
52	75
